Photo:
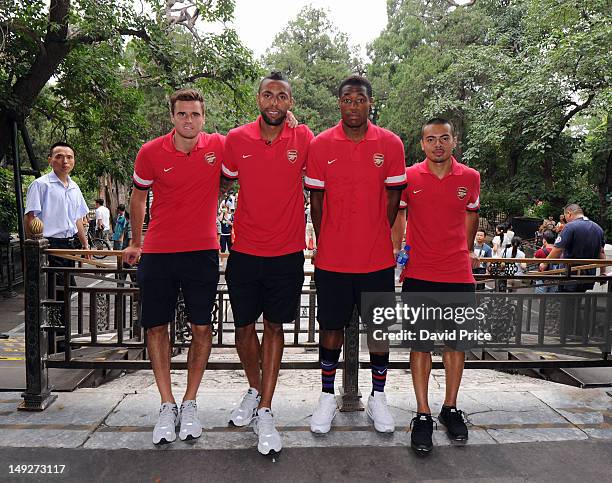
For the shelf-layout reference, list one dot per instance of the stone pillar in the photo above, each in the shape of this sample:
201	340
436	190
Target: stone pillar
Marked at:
37	395
350	397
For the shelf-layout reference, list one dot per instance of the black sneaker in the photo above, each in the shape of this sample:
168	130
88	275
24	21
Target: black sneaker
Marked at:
420	437
453	419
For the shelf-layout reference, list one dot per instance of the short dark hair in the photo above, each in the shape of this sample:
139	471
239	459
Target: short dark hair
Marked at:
121	207
573	208
550	236
100	201
438	121
481	230
186	95
59	144
356	80
274	75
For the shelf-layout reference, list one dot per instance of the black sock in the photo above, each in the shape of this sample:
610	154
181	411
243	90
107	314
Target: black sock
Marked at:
328	360
379	364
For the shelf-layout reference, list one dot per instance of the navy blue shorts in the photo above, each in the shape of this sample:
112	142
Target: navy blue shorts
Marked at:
413	285
338	293
271	286
162	275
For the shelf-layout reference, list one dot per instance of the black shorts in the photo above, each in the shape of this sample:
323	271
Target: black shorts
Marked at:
338	293
413	285
162	275
271	286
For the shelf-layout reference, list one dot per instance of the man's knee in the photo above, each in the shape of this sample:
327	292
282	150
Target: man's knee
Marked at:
273	328
157	331
201	332
245	333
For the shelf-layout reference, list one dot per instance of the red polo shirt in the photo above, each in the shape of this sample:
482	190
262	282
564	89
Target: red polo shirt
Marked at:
355	233
436	229
269	219
185	193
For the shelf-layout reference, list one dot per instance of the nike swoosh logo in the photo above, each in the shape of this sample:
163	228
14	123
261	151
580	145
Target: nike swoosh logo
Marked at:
414	192
168	169
244	156
331	161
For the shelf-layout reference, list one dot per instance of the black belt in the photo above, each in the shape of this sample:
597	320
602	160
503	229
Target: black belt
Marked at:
70	242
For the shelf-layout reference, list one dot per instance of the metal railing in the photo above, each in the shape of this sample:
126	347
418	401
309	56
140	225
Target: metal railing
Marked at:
105	316
11	269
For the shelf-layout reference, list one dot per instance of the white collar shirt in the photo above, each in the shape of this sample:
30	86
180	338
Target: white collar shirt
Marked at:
103	213
57	206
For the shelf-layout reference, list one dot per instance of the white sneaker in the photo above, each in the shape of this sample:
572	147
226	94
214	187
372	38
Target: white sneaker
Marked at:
379	413
190	424
164	431
245	412
269	438
324	413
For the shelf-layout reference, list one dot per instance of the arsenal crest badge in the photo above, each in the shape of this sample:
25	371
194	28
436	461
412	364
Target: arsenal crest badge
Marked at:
461	192
379	159
292	155
210	158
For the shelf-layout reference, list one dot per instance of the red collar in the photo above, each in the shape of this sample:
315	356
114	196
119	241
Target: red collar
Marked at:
168	142
253	131
422	167
339	134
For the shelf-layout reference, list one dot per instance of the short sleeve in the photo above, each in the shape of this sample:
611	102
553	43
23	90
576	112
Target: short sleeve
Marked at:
309	137
229	167
565	237
396	167
404	200
82	208
473	201
315	169
33	199
144	174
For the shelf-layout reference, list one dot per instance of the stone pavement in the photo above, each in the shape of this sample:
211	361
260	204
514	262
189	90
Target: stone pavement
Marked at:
501	408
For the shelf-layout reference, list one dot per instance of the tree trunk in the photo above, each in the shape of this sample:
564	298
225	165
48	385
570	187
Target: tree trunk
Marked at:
113	193
604	186
24	92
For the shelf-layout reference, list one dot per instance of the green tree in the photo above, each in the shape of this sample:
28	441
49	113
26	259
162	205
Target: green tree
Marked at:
315	57
521	80
97	74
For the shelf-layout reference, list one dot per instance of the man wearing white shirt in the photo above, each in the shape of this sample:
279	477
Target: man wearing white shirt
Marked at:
58	202
102	219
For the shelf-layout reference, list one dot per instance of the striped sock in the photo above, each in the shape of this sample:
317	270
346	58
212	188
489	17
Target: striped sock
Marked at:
328	360
379	364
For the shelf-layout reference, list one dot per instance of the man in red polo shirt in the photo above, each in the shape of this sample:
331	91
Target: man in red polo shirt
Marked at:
355	173
441	260
265	269
183	169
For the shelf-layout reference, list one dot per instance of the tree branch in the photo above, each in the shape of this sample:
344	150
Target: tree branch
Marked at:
18	27
464	3
574	111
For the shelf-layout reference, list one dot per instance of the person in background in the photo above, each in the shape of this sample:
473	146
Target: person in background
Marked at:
514	251
548	240
226	222
57	201
119	230
562	222
501	240
103	224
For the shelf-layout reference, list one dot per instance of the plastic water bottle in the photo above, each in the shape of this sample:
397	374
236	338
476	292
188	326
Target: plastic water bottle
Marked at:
403	256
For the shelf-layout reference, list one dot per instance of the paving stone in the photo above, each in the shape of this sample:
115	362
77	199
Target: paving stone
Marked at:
567	397
599	433
69	408
532	435
43	438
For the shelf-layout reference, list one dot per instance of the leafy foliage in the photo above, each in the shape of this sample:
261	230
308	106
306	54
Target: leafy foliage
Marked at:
315	57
